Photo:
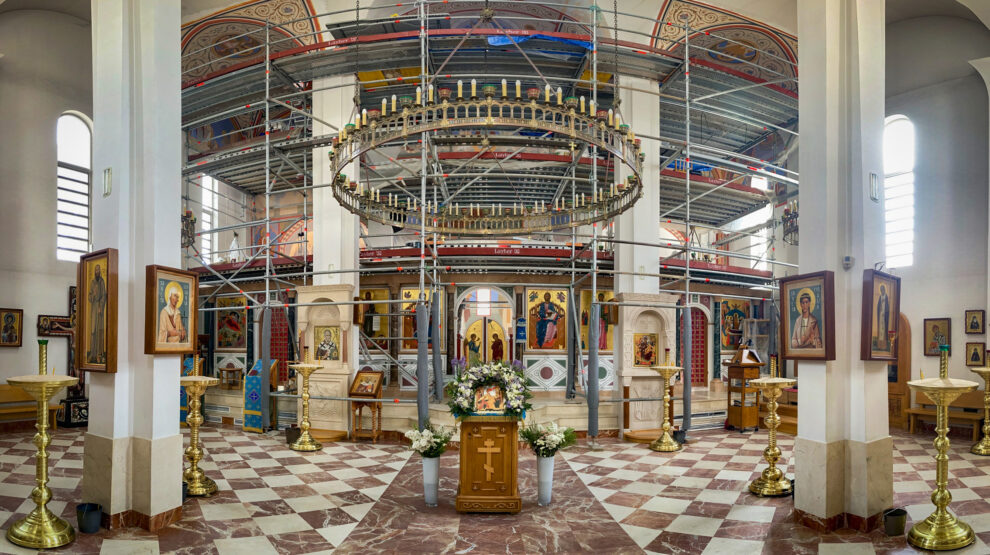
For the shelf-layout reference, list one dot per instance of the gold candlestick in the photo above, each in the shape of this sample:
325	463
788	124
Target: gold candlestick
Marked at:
666	443
42	357
982	447
198	482
941	530
305	441
772	482
41	529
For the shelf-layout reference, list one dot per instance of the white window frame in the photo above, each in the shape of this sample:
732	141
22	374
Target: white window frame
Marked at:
899	205
73	181
208	219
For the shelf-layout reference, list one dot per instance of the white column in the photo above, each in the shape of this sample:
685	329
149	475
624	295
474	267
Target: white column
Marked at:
842	455
133	452
335	229
983	66
641	222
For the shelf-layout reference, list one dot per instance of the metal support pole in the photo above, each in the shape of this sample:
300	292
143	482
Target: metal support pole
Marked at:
593	370
422	364
686	336
266	362
437	362
573	346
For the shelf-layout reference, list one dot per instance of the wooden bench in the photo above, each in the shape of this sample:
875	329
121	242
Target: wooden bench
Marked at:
12	405
957	412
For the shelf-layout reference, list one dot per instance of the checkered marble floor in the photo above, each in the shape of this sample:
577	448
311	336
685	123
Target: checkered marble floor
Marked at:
361	498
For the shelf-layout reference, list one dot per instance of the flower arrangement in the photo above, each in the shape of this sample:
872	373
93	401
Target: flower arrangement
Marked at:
431	441
547	440
509	378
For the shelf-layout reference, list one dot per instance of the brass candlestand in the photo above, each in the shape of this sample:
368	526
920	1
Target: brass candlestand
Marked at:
199	484
41	529
43	357
982	447
941	530
666	443
305	441
772	483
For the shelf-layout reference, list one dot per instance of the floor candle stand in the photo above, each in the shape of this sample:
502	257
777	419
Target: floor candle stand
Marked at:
941	530
772	482
198	483
666	443
305	441
41	529
982	447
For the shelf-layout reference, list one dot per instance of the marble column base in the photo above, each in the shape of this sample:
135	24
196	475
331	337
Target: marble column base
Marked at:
106	466
842	484
152	523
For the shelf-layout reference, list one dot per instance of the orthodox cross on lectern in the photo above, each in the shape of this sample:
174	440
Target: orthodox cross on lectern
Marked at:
489	449
64	326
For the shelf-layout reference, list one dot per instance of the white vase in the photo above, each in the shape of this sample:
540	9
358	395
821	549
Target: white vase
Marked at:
431	480
544	479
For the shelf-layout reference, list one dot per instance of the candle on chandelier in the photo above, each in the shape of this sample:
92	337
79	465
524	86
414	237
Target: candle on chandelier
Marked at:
357	121
618	120
474	88
560	96
500	209
518	88
582	103
364	116
460	89
429	93
582	199
515	210
419	95
547	91
384	107
505	88
457	208
610	116
591	107
394	105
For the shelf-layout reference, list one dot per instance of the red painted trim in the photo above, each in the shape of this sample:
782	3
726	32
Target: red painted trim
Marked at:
741	75
192	32
533	156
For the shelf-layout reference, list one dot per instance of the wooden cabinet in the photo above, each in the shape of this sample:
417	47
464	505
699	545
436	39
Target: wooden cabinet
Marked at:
744	399
489	457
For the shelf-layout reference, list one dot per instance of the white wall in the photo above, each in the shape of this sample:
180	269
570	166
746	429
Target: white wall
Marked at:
45	70
929	80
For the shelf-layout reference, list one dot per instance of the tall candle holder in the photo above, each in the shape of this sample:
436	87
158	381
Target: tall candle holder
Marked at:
982	447
305	441
941	530
42	357
666	443
199	484
772	482
41	528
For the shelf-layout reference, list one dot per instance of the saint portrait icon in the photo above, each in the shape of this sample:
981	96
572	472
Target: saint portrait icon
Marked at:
489	399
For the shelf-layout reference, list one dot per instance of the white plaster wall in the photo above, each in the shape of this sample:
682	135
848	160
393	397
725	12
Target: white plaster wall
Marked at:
45	70
931	82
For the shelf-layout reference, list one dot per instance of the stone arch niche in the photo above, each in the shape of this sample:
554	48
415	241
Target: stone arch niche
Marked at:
329	419
638	381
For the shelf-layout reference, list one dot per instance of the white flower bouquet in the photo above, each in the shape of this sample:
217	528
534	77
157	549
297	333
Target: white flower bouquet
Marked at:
547	440
431	441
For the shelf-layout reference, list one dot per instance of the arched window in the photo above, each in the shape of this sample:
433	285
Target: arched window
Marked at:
74	145
898	191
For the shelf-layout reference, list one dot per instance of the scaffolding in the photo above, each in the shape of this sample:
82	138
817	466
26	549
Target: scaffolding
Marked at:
734	113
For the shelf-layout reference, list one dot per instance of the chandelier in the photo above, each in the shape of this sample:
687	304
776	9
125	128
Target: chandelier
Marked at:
531	121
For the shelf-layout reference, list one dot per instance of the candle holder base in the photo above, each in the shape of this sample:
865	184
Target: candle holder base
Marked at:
981	447
665	443
200	486
941	534
41	529
306	443
769	487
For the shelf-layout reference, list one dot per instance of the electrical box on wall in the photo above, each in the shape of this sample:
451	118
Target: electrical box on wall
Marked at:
874	187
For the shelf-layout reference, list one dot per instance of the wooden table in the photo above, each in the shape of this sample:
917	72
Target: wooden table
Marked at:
357	407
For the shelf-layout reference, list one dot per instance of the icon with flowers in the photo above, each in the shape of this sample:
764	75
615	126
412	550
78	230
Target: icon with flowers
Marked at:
509	378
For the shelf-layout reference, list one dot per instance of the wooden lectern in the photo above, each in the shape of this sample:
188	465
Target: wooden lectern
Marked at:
744	400
489	465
